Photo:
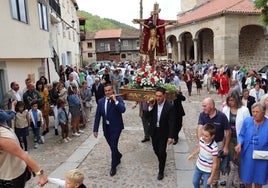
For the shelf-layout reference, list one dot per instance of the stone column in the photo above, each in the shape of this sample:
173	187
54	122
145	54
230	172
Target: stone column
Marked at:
195	40
179	50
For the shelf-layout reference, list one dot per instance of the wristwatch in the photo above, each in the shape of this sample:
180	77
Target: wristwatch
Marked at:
39	172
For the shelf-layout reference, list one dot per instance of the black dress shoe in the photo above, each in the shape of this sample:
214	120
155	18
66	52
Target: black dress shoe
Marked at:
160	176
113	171
223	183
175	142
145	140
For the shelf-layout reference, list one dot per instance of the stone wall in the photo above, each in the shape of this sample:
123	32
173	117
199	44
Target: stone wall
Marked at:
252	47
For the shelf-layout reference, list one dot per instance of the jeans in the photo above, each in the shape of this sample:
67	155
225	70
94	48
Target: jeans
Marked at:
36	132
197	177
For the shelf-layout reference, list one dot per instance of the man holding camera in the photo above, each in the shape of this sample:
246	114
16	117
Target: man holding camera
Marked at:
223	131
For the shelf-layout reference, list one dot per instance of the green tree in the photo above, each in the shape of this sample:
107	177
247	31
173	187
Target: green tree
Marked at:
262	5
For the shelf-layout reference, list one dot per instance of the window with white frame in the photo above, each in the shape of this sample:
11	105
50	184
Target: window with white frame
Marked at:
19	11
42	11
107	47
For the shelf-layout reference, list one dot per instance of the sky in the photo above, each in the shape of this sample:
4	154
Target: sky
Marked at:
125	11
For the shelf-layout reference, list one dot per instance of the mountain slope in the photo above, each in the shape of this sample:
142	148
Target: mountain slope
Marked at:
95	23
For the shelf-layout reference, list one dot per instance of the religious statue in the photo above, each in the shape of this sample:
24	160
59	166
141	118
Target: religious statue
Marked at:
153	41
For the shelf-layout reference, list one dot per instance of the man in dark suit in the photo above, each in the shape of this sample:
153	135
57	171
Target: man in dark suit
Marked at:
179	113
98	89
161	114
110	108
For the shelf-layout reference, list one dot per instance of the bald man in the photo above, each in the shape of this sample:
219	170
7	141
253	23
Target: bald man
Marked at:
223	132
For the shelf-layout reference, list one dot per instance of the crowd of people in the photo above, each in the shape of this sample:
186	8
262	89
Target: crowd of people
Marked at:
231	133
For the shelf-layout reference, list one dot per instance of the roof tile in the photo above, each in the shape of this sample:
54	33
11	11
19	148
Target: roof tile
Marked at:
109	33
217	7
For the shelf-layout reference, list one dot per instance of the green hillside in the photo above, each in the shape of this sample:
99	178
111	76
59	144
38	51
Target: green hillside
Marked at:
95	23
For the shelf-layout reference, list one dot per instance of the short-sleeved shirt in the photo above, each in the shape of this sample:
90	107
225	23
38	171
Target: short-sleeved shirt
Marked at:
205	156
220	122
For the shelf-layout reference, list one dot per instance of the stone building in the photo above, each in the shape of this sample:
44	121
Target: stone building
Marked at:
226	32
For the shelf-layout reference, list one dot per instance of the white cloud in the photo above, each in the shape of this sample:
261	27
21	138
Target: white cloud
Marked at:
126	10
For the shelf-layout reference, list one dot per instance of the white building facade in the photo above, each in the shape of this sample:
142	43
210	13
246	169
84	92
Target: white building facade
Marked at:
36	38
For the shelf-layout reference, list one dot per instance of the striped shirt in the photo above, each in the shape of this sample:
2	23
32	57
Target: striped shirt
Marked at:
205	156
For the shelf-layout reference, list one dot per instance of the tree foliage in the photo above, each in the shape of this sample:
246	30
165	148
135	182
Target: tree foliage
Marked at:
96	23
262	5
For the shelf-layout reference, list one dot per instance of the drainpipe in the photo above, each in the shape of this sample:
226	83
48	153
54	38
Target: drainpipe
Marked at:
48	71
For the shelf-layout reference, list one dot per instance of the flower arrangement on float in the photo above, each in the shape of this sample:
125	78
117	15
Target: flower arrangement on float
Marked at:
145	80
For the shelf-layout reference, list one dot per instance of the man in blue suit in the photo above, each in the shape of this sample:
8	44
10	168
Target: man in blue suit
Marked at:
110	108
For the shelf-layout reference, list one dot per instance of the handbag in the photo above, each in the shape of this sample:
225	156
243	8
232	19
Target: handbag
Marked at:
260	154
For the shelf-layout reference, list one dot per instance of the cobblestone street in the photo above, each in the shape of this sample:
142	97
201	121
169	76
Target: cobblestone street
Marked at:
139	166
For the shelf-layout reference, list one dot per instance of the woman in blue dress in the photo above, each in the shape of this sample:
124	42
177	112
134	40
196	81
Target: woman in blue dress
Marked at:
253	136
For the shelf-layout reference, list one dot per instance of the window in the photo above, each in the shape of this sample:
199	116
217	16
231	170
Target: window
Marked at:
125	43
89	55
42	11
89	45
138	44
19	12
107	47
123	56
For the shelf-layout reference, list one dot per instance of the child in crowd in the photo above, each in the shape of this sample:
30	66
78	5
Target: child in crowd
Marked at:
74	179
207	152
21	124
35	119
63	120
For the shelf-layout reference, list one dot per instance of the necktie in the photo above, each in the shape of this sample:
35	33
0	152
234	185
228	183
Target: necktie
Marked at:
108	106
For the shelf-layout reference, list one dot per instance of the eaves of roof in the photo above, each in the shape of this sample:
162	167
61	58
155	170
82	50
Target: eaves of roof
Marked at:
109	33
215	8
130	33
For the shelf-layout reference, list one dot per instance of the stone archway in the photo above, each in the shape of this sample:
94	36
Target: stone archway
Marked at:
186	44
174	47
252	46
205	44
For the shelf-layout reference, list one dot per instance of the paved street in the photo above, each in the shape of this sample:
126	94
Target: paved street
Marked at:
139	166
